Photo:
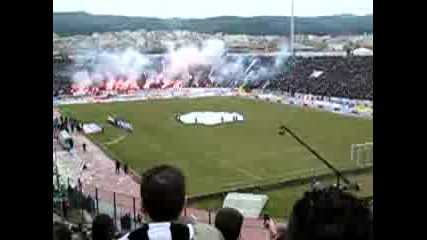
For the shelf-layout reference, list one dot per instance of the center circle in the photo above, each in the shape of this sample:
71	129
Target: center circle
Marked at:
210	118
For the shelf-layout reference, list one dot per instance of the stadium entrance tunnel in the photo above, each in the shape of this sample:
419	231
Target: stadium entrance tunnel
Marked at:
210	118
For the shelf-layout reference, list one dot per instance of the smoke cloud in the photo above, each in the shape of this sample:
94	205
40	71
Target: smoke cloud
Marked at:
108	66
121	70
283	55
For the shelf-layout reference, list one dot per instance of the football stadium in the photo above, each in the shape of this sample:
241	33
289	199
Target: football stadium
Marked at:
248	131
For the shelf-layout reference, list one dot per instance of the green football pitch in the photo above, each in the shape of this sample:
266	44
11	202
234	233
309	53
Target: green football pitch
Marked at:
216	158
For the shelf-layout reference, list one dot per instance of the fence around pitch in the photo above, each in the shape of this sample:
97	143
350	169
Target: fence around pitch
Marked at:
117	205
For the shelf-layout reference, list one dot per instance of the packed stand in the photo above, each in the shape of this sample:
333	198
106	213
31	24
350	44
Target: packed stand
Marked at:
61	78
333	76
344	77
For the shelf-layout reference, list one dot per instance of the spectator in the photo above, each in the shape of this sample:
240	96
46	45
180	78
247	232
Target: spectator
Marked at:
80	236
139	218
330	214
276	231
229	222
103	228
125	225
84	147
61	232
163	199
65	207
117	167
90	204
125	168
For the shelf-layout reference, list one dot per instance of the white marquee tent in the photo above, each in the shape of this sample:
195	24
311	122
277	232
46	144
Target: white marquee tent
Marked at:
363	52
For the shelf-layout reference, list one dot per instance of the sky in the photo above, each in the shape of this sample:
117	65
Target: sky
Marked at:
213	8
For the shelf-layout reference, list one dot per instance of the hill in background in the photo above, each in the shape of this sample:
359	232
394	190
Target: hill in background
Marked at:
71	23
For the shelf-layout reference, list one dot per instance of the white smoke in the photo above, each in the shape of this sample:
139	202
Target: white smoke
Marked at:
82	79
283	55
179	61
212	51
130	64
109	65
241	69
262	73
229	69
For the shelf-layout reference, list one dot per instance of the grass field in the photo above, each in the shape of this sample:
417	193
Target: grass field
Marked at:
280	202
216	158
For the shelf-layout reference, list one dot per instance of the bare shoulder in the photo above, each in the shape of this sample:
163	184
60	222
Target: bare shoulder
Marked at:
203	231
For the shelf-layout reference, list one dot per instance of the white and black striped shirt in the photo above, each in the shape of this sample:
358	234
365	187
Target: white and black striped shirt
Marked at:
161	231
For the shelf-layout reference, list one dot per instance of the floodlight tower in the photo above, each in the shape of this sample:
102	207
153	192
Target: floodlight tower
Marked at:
292	28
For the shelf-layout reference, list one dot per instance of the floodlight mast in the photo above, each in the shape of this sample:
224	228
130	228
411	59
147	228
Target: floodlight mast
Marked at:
292	29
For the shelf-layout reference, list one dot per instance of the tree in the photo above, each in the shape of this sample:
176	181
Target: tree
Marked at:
83	23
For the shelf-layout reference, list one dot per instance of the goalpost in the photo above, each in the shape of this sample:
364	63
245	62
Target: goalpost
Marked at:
363	154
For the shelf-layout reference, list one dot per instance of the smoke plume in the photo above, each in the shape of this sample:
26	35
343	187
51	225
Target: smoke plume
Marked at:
121	70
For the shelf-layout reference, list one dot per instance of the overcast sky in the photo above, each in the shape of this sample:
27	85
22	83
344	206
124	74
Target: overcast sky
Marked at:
211	8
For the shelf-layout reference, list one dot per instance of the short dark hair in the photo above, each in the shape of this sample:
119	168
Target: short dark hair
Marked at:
328	215
103	228
229	222
163	193
61	232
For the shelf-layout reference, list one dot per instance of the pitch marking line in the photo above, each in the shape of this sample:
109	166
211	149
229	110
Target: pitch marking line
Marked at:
247	173
115	141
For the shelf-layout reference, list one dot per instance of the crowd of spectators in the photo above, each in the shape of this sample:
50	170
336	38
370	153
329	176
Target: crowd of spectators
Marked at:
322	213
332	76
61	78
346	77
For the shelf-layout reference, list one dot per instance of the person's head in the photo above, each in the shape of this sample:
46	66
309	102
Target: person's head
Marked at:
229	222
163	193
126	222
328	215
61	232
103	228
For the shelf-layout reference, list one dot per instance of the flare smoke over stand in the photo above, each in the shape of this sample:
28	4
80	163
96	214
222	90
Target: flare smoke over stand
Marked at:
130	70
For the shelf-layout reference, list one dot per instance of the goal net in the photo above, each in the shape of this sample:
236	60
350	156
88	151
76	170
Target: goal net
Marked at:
363	154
